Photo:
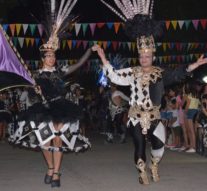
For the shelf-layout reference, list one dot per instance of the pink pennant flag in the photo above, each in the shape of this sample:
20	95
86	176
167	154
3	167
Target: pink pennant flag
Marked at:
85	44
40	29
195	23
78	43
92	27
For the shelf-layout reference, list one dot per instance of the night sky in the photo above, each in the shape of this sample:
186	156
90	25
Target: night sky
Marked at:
94	11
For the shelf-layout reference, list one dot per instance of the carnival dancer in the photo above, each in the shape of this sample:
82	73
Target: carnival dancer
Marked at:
146	82
52	122
118	109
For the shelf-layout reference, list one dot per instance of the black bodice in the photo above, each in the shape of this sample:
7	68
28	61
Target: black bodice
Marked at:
51	84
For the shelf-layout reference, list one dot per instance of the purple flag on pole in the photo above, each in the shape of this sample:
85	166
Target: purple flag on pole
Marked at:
9	61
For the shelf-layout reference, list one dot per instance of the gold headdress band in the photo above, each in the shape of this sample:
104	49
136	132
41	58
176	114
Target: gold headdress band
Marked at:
146	44
51	45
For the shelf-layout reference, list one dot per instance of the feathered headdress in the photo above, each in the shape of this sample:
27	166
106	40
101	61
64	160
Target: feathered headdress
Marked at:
57	21
139	25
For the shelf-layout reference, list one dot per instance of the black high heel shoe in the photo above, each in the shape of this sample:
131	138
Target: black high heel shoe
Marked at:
48	178
56	182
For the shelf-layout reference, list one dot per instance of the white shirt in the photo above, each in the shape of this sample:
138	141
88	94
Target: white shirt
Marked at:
119	93
175	115
24	99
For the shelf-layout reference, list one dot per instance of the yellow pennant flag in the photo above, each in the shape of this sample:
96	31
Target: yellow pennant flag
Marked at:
18	28
27	41
165	59
174	24
133	46
164	46
134	60
197	56
100	43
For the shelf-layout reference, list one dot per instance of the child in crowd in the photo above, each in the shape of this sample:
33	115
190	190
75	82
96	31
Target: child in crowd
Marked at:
175	125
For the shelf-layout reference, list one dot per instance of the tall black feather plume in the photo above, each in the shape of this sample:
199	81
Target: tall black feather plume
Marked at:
142	25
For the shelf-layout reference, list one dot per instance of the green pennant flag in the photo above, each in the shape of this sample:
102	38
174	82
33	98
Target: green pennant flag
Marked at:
32	28
187	24
91	43
14	39
64	44
84	26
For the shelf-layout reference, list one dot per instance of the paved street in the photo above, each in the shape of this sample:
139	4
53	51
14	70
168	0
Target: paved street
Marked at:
103	168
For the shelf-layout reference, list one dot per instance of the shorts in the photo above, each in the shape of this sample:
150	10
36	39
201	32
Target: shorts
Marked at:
191	113
166	115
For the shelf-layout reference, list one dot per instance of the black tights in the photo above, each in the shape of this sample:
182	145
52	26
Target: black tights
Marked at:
117	123
140	140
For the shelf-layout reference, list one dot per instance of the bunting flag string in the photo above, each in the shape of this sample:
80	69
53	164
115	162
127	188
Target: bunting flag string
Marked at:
115	45
90	28
167	60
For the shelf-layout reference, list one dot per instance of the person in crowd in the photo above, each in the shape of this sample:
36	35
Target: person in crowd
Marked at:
191	109
118	108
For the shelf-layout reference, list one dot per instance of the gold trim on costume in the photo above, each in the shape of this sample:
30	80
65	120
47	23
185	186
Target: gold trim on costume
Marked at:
145	117
146	78
15	86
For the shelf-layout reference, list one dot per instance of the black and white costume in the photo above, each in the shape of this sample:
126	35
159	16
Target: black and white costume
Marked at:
117	114
146	93
36	124
115	109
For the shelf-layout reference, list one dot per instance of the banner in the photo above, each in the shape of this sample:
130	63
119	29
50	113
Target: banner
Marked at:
90	28
11	62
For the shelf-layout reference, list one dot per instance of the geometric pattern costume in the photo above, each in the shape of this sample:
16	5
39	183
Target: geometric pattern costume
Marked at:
36	124
146	92
147	88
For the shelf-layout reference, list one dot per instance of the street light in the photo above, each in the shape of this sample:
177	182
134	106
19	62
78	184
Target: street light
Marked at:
205	79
